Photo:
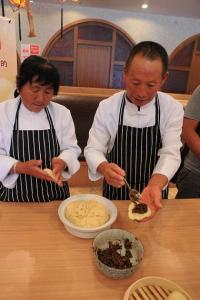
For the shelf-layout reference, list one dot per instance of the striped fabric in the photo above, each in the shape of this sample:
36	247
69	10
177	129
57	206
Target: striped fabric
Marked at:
134	150
34	144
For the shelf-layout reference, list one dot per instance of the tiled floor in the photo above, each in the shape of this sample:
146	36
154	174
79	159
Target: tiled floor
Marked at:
97	191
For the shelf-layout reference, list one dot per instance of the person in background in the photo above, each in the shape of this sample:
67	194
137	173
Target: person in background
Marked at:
136	132
36	134
188	181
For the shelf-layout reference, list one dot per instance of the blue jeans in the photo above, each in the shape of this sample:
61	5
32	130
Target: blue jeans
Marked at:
188	184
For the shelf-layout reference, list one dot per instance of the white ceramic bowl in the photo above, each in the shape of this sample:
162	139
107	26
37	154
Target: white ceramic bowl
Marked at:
87	233
102	240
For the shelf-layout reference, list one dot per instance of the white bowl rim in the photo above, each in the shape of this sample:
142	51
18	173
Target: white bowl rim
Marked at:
87	197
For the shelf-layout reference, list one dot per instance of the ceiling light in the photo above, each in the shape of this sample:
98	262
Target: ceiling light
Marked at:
145	5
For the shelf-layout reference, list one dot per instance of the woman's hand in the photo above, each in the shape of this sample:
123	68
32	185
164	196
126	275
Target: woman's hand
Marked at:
58	166
33	168
112	173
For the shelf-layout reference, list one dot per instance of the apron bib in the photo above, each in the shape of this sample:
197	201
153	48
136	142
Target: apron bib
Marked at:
134	150
28	145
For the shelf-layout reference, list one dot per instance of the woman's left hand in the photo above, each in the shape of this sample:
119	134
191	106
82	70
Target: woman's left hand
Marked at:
58	166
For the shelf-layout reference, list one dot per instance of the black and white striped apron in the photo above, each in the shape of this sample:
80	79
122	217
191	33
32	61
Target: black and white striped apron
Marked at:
40	145
136	151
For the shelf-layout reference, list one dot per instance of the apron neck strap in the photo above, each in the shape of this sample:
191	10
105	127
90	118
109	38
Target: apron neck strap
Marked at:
17	116
157	107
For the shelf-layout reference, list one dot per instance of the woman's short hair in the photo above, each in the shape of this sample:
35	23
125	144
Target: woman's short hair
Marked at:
37	68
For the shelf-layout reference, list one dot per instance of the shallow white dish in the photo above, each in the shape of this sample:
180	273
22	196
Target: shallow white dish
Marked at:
154	288
87	233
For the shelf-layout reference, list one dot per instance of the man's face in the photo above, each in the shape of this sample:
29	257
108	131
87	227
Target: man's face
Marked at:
36	96
143	79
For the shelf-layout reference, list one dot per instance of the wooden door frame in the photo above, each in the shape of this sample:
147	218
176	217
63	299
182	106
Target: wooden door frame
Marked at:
181	46
78	22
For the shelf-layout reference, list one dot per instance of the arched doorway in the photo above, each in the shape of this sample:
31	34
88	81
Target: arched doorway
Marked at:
184	66
91	53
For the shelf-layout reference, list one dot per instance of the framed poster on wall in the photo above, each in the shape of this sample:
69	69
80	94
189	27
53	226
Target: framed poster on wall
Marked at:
8	58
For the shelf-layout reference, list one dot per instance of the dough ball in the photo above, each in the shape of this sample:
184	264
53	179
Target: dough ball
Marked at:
176	295
50	173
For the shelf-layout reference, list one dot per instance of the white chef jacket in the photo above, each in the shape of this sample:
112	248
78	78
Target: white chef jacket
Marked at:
63	125
103	131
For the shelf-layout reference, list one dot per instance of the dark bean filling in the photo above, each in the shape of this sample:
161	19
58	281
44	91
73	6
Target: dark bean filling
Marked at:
111	256
140	208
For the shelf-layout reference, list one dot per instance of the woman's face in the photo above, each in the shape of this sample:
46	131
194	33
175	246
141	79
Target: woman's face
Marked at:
143	79
36	96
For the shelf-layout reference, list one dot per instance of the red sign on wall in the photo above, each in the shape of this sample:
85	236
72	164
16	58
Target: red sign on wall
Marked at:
29	49
34	49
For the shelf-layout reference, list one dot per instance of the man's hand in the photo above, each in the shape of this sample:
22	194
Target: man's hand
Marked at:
152	195
112	173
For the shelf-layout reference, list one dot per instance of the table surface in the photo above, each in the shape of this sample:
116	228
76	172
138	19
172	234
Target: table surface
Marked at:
39	259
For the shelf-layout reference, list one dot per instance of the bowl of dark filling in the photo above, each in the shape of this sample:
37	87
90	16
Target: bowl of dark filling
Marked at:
117	253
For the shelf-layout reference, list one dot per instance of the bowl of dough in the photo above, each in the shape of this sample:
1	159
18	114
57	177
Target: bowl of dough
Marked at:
86	215
117	253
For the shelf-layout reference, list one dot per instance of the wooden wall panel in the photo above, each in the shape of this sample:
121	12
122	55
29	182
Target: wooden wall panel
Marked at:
93	65
194	79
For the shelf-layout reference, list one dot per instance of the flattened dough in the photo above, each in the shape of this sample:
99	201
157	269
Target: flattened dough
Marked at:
136	216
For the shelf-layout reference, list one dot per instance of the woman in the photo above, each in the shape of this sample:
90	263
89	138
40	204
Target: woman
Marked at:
36	134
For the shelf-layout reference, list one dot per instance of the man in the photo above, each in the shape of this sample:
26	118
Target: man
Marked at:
188	182
136	133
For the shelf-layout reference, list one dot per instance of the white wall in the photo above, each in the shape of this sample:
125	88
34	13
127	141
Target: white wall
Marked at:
169	31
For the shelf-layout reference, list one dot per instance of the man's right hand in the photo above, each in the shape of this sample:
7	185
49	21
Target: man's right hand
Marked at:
113	174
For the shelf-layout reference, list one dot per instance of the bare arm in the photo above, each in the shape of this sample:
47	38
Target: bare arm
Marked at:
190	136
